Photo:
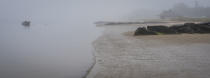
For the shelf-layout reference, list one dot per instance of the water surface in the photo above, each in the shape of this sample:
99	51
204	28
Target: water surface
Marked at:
58	42
46	50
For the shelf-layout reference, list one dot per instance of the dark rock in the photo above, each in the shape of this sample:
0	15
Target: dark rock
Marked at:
176	29
143	31
203	29
205	23
189	24
161	29
185	29
198	28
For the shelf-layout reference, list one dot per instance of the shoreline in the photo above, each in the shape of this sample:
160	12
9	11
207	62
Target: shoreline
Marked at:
91	67
119	55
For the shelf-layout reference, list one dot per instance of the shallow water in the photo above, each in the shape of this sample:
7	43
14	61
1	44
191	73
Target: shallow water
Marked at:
46	50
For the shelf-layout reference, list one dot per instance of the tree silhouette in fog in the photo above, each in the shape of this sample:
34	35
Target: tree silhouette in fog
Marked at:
183	10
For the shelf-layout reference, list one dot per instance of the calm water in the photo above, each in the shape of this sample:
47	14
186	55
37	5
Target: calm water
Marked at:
58	42
46	50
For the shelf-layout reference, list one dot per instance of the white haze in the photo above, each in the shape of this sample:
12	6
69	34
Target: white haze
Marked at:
58	43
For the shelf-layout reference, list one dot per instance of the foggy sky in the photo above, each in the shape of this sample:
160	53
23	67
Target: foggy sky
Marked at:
54	10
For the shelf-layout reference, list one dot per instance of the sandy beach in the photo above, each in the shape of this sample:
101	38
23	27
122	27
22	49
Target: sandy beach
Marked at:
119	54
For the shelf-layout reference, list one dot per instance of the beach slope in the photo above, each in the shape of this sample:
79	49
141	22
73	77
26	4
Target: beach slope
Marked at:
119	54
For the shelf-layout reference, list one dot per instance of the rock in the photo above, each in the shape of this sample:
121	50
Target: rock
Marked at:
205	23
161	29
190	28
198	28
189	24
143	31
185	29
203	29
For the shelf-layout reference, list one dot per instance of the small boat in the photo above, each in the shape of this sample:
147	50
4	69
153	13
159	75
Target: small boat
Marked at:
26	23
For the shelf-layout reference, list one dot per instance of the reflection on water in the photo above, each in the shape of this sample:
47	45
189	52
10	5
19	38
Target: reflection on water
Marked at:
46	50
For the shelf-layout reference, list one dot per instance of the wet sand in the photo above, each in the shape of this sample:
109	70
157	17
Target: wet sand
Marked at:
119	54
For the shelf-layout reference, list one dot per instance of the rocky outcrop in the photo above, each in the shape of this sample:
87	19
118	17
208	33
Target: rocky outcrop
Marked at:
144	31
161	29
189	28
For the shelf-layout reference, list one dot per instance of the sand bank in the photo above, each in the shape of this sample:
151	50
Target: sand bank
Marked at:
120	55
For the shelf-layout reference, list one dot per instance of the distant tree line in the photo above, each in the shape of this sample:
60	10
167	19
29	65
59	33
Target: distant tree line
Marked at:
182	10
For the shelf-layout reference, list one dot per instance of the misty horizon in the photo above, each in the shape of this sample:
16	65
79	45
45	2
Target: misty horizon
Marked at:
47	10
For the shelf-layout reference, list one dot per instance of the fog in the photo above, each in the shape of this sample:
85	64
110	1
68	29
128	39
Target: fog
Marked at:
65	10
58	42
